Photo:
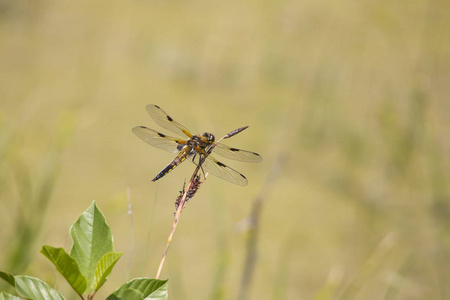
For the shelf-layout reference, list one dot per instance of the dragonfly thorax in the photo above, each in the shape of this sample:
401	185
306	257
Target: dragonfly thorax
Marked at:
201	141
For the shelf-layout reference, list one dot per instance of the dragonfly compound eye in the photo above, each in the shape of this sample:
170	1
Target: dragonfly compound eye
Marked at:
209	137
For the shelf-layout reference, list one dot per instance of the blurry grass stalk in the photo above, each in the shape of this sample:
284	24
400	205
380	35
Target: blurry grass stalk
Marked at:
253	232
33	202
130	212
369	267
29	187
147	243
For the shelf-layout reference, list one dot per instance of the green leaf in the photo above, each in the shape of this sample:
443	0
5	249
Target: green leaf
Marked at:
151	288
6	296
91	240
8	278
67	266
35	289
104	268
132	294
160	293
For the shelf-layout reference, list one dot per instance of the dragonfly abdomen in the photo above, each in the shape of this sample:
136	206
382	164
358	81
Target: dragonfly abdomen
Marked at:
173	164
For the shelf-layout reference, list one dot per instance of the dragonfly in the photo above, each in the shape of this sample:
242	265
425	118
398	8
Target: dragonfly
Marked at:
195	148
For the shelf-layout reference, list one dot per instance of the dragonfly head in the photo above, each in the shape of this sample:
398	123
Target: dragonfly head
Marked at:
209	136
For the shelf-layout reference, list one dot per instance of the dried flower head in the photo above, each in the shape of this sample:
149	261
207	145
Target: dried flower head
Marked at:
195	185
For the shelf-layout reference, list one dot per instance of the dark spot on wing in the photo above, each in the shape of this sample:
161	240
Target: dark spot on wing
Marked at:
157	106
161	135
256	154
221	164
242	176
169	118
234	149
143	127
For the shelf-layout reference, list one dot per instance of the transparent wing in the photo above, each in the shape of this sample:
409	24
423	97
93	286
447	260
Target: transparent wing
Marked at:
236	154
164	120
159	140
216	168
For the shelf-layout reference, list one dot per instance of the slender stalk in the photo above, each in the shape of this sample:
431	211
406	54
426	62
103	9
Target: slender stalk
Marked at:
174	226
177	218
254	230
130	213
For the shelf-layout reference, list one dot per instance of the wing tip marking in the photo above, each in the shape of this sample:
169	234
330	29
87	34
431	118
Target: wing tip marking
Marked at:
134	129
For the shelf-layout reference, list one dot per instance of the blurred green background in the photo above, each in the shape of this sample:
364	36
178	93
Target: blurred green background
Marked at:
347	102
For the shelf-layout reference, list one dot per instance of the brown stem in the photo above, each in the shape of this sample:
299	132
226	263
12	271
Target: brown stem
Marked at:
176	219
174	226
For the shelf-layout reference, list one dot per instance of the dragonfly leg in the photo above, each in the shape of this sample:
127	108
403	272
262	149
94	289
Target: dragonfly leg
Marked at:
201	160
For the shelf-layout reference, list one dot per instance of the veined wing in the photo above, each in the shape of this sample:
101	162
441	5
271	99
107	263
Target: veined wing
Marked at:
164	120
236	154
159	140
216	168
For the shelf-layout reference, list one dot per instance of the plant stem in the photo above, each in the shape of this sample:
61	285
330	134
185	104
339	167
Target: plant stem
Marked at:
174	226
